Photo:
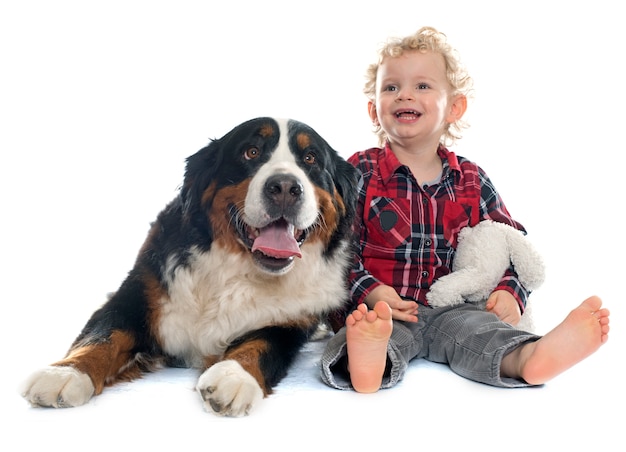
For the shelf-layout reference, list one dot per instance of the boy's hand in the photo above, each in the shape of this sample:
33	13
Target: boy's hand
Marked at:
505	306
400	309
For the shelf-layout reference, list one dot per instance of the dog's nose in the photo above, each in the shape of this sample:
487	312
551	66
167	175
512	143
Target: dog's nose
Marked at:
284	189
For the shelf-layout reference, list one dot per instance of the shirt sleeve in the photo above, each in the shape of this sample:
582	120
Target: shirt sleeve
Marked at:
511	283
361	282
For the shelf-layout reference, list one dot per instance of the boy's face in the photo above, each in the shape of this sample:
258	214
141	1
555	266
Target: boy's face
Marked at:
414	104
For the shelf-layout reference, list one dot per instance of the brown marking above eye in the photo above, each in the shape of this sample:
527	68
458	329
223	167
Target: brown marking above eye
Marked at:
303	140
251	153
266	131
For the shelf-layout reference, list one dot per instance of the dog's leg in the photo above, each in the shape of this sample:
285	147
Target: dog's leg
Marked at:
81	374
250	369
107	350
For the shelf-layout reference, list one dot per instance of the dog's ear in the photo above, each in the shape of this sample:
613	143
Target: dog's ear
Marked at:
345	178
201	170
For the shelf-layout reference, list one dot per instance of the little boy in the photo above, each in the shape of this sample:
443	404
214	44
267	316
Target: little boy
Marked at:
414	198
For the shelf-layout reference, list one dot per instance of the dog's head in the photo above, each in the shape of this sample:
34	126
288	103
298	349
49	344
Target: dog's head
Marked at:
269	187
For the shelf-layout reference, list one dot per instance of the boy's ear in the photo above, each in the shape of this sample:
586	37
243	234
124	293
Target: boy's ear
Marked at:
457	108
371	110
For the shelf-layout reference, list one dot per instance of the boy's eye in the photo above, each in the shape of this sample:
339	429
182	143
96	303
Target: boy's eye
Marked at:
422	86
390	88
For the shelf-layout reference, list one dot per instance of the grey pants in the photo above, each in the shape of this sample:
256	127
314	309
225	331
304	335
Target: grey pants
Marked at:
467	338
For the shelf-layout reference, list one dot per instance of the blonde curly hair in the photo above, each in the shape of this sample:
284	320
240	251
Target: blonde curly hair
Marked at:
426	39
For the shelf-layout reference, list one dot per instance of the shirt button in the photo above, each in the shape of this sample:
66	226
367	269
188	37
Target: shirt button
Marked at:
424	274
428	242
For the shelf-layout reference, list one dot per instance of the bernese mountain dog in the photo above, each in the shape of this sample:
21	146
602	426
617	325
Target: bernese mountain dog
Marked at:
233	277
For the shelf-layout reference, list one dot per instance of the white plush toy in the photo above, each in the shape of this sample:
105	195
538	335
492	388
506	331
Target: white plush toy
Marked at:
484	252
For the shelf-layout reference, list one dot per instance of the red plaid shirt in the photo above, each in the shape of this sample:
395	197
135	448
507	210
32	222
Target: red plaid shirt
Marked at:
408	233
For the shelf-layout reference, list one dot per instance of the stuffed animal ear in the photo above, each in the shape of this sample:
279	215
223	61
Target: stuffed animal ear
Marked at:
526	260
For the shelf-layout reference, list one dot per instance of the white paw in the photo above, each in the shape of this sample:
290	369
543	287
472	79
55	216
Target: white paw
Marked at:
58	387
442	295
227	389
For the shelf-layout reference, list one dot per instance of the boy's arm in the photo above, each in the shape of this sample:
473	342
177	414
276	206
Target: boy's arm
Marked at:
493	208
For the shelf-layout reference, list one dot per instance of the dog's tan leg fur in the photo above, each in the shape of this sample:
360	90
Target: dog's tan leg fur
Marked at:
105	362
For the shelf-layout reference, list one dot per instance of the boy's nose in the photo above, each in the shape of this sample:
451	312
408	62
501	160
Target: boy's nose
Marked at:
405	94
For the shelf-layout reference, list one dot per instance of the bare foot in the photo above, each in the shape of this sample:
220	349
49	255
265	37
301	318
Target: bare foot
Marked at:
367	335
582	332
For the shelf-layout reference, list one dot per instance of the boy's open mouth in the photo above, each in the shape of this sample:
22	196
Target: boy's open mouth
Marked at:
408	114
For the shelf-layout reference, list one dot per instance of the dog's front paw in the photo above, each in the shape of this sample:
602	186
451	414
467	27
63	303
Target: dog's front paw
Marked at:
227	389
58	387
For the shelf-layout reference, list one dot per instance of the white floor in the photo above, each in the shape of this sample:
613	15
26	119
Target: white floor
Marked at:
431	408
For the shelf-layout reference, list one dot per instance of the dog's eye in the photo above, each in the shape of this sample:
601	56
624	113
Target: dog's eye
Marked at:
251	153
309	158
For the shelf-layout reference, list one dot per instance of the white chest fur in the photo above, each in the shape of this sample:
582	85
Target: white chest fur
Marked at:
221	295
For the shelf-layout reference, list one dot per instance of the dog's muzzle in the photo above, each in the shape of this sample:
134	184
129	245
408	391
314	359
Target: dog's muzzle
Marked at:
276	242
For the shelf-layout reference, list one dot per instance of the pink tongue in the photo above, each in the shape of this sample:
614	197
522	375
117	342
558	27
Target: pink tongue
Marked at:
277	240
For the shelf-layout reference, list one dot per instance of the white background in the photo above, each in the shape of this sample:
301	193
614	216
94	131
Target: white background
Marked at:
101	102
